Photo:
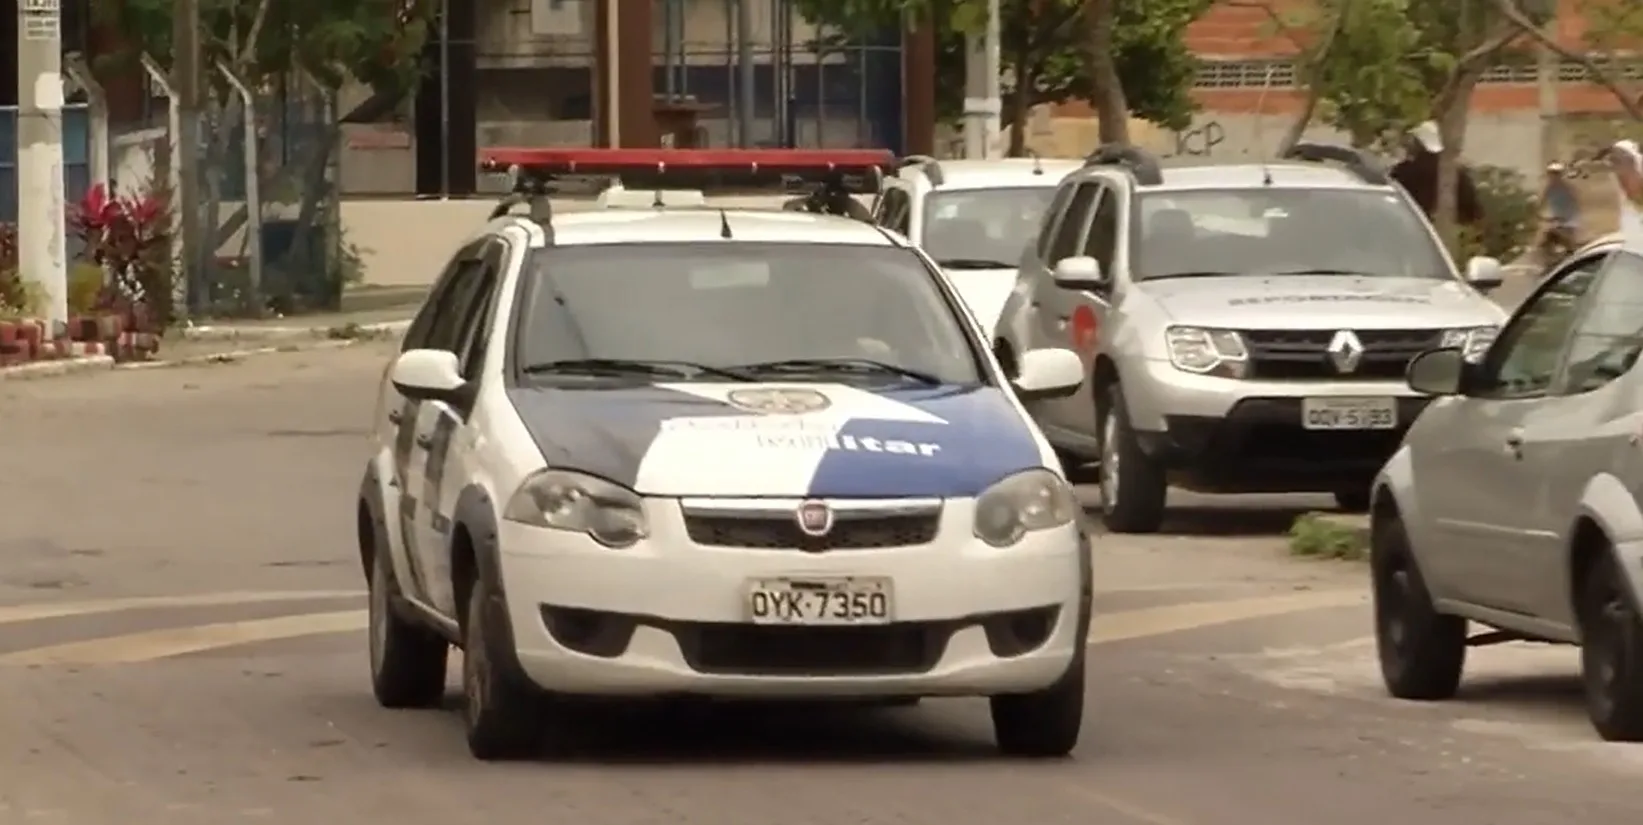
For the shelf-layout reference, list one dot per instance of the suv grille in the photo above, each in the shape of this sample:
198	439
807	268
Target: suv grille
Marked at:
782	532
1291	354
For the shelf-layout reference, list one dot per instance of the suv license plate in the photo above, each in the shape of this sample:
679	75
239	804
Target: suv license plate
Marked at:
820	601
1349	413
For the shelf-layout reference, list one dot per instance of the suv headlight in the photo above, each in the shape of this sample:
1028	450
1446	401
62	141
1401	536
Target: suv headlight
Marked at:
1473	342
1207	351
609	513
1027	501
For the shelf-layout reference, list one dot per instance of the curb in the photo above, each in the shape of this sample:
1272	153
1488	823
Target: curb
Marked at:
232	333
105	363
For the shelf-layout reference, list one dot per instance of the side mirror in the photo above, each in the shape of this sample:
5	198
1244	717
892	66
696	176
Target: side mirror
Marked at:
1485	272
429	375
1437	372
1080	272
1043	374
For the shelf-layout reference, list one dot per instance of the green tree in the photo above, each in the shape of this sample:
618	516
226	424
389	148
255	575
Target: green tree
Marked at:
1044	51
267	45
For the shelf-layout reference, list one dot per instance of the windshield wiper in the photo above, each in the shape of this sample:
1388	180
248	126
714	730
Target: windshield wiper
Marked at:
972	263
1346	272
839	365
624	366
1207	273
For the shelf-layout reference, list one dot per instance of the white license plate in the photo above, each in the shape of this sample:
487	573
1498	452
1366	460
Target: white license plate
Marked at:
1349	413
821	601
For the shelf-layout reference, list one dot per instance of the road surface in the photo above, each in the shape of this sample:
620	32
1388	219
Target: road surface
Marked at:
181	642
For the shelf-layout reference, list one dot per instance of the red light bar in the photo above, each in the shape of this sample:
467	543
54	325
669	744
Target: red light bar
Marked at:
856	170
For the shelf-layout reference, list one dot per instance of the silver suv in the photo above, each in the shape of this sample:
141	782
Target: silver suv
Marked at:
972	217
1246	327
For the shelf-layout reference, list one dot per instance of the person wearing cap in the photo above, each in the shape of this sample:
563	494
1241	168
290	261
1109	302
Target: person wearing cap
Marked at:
1627	161
1418	174
1559	212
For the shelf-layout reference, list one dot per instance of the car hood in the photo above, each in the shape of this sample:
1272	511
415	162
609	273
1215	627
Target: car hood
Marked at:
703	439
984	291
1323	301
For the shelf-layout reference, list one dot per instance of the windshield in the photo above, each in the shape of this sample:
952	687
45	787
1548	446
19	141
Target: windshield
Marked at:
1270	231
708	311
982	228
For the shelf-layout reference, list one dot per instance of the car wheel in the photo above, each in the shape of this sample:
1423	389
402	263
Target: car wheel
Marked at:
502	713
1043	723
407	660
1422	651
1355	500
1133	486
1611	655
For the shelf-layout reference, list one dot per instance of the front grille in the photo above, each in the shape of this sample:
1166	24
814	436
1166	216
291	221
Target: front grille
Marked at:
781	532
1303	354
745	649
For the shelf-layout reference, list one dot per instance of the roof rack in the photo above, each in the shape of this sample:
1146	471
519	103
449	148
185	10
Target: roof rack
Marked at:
1359	163
827	178
1141	164
928	165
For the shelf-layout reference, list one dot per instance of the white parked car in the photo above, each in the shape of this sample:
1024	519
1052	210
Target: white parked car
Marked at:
718	453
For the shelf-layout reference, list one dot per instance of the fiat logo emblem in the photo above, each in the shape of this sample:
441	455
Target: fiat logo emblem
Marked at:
815	518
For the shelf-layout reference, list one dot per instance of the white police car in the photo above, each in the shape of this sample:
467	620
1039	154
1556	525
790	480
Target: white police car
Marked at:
714	453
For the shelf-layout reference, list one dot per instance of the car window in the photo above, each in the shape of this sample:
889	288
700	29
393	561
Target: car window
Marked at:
1525	358
476	325
982	228
729	304
1609	335
1278	231
416	335
1069	236
893	210
452	323
1103	238
1052	217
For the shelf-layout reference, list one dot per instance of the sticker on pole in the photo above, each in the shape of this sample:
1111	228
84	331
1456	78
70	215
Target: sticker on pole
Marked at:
41	19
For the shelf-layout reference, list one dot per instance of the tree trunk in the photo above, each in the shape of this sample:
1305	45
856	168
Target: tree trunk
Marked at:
1020	106
1452	116
1111	109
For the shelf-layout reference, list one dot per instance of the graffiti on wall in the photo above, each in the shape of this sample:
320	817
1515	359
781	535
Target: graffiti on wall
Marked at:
1199	141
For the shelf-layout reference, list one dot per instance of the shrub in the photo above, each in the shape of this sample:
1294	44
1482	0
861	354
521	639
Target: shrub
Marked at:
85	288
126	236
1510	217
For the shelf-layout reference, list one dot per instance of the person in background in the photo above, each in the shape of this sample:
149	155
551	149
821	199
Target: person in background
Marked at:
1417	173
1627	160
1559	211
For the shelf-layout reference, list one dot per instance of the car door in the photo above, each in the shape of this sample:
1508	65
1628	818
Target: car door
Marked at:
436	424
1033	275
1475	476
1588	426
1057	307
451	458
399	424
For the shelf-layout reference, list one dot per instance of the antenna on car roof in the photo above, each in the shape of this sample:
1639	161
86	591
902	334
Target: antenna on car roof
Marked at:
1038	165
1260	120
724	225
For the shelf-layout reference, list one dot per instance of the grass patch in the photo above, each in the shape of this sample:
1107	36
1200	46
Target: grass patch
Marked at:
1314	535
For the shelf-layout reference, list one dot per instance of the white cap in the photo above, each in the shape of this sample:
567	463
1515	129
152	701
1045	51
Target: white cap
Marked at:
1429	137
1555	166
1629	148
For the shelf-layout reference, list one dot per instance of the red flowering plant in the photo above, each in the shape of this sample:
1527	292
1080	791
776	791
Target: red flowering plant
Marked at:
127	236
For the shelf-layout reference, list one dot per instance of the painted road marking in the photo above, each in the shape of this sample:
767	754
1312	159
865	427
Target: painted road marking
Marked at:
160	644
56	610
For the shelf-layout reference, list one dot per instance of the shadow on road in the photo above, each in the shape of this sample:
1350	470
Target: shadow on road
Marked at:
1560	694
1211	521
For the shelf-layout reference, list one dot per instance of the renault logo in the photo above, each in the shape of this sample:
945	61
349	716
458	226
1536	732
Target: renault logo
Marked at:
1345	351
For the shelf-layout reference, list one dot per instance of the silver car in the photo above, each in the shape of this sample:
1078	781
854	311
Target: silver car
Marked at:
1514	501
1246	327
972	217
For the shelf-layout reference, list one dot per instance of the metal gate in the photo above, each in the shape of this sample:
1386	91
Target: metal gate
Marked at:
76	161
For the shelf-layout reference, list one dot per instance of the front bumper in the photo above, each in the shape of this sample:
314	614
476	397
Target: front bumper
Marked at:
668	616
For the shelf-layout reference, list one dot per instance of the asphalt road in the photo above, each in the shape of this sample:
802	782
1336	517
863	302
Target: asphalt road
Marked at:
181	642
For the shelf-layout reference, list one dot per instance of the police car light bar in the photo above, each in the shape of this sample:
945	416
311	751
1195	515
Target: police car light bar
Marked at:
855	171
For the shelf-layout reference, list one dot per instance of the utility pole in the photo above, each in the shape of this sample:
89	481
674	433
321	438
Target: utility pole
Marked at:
42	254
1547	77
186	71
983	100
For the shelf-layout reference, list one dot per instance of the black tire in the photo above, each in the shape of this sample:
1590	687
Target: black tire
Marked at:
1422	652
1611	654
502	713
1355	500
1137	481
408	661
1045	723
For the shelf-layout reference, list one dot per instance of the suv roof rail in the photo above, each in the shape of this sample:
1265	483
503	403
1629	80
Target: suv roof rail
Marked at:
928	165
1141	164
1359	163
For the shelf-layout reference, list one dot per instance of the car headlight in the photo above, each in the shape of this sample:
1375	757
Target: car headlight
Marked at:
609	513
1473	342
1207	351
1018	505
